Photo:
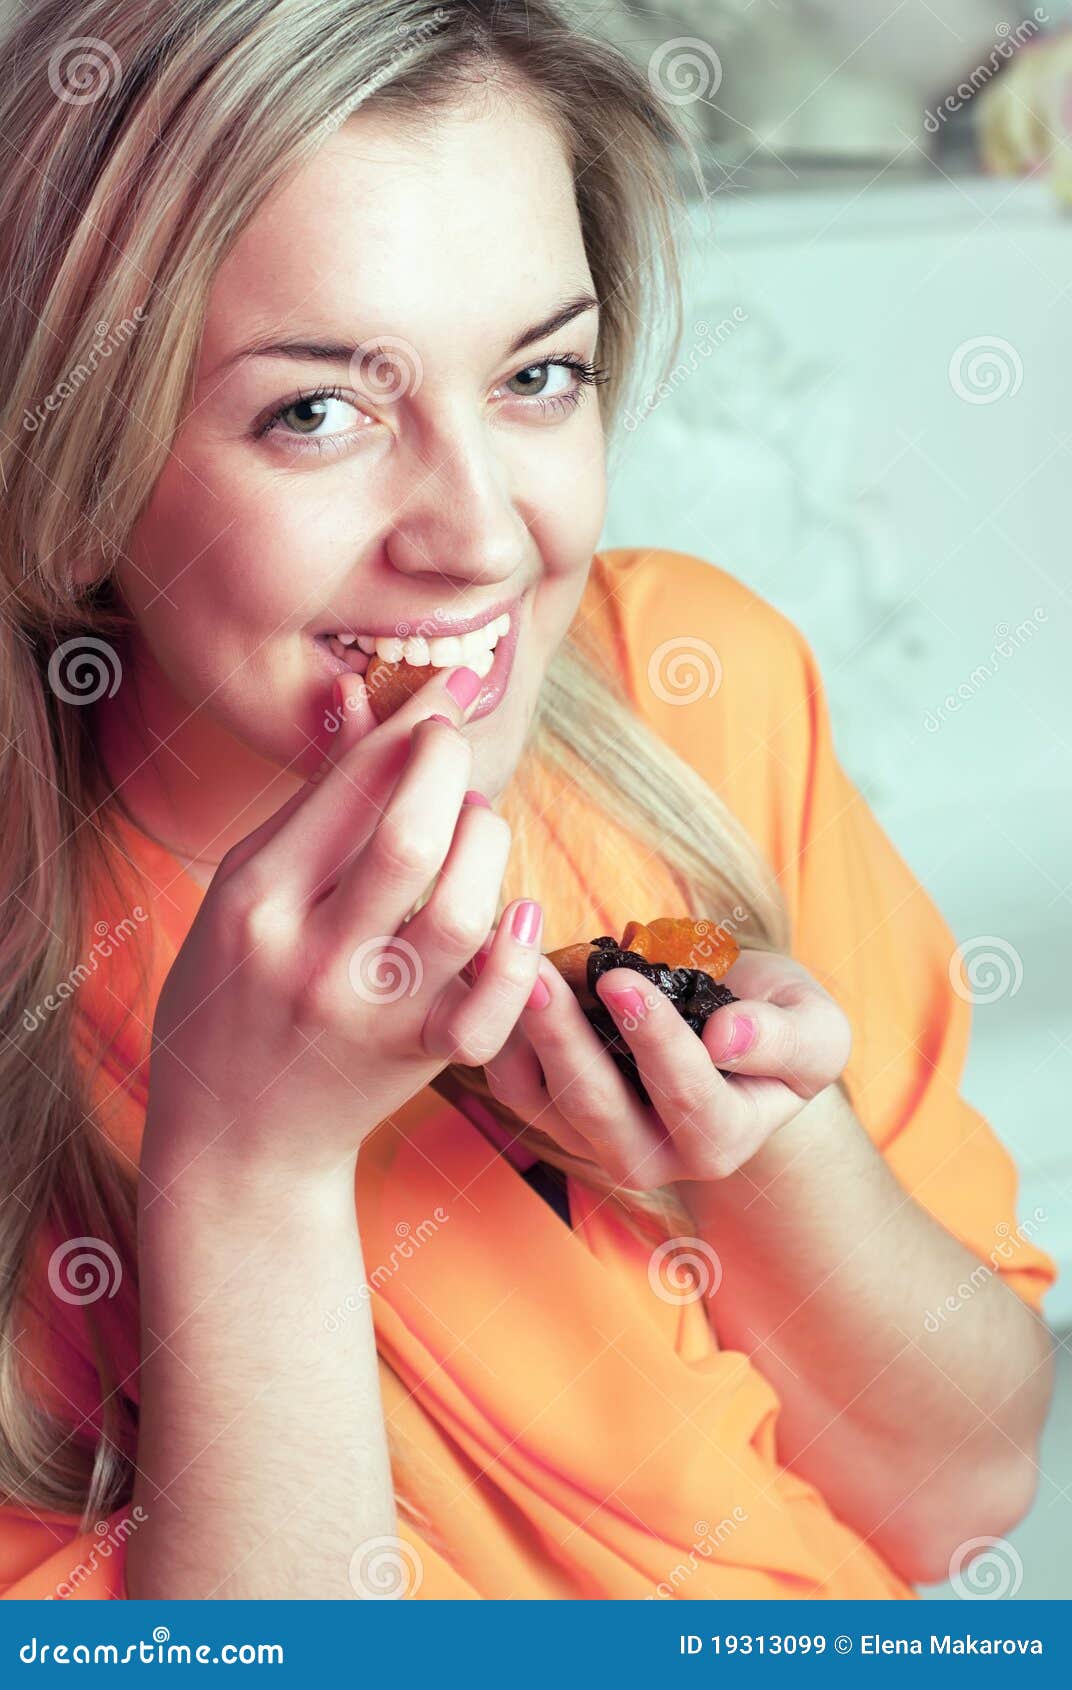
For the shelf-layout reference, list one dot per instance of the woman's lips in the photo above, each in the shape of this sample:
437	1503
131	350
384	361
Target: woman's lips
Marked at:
492	687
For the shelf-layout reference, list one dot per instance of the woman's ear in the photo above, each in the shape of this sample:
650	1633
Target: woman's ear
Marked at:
85	571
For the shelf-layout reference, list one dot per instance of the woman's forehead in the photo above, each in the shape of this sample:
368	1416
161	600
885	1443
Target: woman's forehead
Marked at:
468	228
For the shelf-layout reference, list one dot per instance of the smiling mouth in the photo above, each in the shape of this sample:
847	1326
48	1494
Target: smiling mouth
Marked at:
413	660
476	650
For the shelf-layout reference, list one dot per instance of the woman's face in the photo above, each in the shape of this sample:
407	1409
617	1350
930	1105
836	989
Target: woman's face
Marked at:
445	476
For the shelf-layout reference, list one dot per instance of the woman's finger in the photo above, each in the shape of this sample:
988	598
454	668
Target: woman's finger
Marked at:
379	880
515	1078
590	1092
345	806
804	1043
479	1025
353	719
713	1125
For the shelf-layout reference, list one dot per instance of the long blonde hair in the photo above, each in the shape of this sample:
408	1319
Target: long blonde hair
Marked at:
138	140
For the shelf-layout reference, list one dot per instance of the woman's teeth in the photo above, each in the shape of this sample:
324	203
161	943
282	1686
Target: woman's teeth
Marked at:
476	649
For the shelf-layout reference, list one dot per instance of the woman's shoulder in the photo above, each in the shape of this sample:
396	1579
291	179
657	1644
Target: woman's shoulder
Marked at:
715	669
675	622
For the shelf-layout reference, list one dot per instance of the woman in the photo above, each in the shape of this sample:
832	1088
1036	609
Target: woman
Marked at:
379	1279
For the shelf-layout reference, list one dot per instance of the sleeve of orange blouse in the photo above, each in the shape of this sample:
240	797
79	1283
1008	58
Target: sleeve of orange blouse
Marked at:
862	923
868	929
45	1557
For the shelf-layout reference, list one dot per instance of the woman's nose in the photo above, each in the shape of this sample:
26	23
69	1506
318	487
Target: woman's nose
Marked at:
458	518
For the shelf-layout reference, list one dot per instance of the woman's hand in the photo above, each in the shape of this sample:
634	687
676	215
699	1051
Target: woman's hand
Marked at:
785	1042
307	1002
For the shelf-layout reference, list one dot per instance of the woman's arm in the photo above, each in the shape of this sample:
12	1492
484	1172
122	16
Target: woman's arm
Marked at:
919	1439
262	1453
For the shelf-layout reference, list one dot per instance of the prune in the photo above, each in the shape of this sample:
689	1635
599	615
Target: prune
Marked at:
694	992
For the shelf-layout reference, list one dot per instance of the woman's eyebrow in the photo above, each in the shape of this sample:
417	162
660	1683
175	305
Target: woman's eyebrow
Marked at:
335	352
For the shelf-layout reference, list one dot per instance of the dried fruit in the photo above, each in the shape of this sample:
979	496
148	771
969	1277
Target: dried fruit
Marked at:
390	684
664	952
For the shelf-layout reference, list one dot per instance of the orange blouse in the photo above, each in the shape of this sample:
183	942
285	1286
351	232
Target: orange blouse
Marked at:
563	1430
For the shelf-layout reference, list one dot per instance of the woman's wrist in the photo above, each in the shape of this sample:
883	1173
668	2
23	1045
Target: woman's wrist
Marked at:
199	1168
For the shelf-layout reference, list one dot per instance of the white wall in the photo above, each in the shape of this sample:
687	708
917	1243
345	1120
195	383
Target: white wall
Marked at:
900	514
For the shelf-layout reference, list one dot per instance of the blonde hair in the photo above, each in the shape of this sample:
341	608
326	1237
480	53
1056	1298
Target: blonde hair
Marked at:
139	140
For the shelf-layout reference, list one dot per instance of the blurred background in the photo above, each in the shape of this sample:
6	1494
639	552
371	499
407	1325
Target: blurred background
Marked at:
866	424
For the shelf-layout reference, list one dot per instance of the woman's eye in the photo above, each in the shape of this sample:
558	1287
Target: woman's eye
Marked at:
538	381
308	416
305	423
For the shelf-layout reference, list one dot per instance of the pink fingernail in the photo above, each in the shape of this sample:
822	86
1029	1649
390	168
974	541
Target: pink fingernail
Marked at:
526	922
628	1003
742	1037
463	686
474	797
446	721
